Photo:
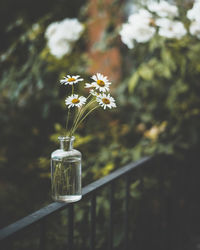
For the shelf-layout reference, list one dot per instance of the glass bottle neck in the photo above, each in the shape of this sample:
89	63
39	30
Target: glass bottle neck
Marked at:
66	142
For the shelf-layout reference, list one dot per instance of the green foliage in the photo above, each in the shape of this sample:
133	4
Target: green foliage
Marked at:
158	112
31	102
164	88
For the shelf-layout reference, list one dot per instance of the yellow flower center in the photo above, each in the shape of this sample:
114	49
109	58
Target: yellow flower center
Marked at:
75	101
71	79
101	83
105	100
152	22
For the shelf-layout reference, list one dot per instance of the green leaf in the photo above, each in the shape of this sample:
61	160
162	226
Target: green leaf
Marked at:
163	70
146	72
168	59
133	82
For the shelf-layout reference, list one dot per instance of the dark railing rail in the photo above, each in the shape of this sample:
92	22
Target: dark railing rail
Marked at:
41	215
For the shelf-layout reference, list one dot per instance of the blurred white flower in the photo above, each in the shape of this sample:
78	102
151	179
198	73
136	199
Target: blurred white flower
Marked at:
170	29
142	16
194	13
70	29
143	33
163	9
139	27
195	29
61	35
126	34
59	47
51	29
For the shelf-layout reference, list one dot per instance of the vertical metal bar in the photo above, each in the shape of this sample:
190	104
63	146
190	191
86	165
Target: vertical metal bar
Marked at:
126	212
111	216
93	222
71	227
162	222
141	232
43	234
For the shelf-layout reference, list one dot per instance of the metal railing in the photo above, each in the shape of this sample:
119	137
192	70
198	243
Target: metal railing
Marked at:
41	215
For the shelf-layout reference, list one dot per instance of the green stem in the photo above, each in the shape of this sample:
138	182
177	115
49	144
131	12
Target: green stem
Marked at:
79	122
76	117
79	114
68	115
88	96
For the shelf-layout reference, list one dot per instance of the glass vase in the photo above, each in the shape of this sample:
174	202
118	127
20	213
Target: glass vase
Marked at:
66	172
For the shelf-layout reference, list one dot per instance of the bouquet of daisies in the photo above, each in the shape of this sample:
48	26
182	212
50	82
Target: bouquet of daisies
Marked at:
98	96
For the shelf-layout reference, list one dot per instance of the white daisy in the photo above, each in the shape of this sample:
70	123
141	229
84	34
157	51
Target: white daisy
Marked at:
94	93
89	85
106	101
71	80
75	100
100	82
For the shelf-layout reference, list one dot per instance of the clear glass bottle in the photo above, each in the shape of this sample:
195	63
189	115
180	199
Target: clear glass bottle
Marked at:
66	172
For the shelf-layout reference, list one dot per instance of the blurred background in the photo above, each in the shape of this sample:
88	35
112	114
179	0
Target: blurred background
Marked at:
149	52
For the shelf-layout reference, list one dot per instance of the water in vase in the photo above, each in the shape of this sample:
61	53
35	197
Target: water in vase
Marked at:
66	179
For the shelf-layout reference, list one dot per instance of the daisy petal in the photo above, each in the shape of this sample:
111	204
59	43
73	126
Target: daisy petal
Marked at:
106	101
101	82
70	80
75	101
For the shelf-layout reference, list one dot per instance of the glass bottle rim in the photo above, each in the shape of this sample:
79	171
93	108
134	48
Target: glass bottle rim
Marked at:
66	138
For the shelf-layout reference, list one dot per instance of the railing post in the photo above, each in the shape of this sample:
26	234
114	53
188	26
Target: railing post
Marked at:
126	212
93	221
43	234
71	227
111	216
